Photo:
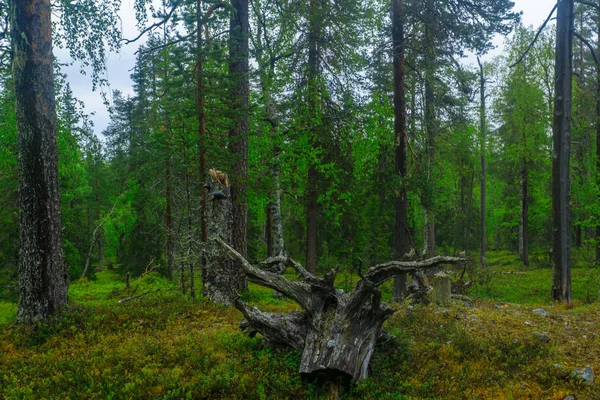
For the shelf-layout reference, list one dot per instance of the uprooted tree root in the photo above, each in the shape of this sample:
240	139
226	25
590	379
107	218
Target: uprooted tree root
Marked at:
336	332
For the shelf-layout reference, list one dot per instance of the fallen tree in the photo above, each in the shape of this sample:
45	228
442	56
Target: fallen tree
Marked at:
336	331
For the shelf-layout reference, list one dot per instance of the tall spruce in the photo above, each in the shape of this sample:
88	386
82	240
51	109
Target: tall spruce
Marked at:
400	141
238	135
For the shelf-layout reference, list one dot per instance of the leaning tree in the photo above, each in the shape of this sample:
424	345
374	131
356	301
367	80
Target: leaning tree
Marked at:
335	331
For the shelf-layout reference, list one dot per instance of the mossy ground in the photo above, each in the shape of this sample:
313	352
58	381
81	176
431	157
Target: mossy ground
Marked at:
165	346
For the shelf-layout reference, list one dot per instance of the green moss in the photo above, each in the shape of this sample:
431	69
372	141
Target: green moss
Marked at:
163	345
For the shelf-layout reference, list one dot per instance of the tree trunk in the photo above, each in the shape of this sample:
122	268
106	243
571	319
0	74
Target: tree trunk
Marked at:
428	233
524	241
169	217
401	138
278	244
201	117
598	137
43	276
222	276
482	116
190	229
312	211
337	331
561	276
238	135
268	233
431	131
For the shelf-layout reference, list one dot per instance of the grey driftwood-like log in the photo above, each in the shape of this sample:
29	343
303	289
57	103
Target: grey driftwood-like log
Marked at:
336	331
221	273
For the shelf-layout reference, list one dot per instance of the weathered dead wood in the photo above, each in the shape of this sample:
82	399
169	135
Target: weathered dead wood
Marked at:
337	331
220	274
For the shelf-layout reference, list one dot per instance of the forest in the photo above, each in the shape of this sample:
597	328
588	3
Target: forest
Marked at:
301	199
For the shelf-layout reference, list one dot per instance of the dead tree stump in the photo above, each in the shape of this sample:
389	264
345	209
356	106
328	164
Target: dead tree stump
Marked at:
336	331
442	289
221	274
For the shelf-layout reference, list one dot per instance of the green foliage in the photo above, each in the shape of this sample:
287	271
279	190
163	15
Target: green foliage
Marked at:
161	345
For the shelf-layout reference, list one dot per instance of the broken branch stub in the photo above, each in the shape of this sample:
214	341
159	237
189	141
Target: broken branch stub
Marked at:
337	331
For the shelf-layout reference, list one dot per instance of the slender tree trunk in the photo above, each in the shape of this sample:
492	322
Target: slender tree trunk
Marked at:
274	228
401	138
278	242
561	277
431	131
268	233
525	214
311	220
190	228
201	117
43	276
100	255
482	117
166	128
238	135
169	217
598	137
468	216
313	175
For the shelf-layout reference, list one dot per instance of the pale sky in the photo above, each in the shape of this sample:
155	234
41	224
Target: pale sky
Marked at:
120	65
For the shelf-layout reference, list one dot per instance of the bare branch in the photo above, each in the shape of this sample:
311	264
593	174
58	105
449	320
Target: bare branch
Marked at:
300	292
536	36
589	46
155	25
378	274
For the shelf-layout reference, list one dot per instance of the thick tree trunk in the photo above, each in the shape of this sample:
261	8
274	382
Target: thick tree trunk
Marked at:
561	277
337	331
43	276
482	117
222	275
401	138
238	136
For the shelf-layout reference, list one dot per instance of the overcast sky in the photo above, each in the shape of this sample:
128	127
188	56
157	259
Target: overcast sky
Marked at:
119	66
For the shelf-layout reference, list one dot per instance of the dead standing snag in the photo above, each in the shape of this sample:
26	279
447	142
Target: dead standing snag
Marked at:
336	331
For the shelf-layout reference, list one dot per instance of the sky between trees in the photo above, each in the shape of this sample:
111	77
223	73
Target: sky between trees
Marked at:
119	65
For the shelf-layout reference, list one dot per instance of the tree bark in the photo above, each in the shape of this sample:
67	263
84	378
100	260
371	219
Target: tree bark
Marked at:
401	138
482	117
238	136
268	233
312	211
43	276
222	275
431	131
201	117
561	277
524	240
169	217
598	136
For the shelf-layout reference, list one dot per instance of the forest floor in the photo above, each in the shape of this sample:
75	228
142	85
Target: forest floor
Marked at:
163	346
